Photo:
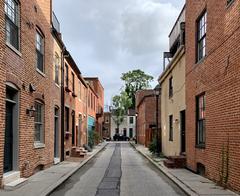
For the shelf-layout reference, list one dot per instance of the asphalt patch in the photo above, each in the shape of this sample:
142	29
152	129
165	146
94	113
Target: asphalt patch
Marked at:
110	184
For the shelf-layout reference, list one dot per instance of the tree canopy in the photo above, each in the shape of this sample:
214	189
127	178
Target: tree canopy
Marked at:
121	103
133	81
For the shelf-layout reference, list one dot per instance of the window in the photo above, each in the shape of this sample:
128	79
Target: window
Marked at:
201	36
73	83
88	99
40	51
39	122
201	100
66	124
79	90
12	23
57	65
171	128
229	2
170	87
66	75
131	120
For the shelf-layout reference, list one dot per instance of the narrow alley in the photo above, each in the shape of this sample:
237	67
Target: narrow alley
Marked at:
118	170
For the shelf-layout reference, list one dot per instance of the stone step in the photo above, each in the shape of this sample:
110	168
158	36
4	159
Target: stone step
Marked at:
178	161
169	164
10	177
15	184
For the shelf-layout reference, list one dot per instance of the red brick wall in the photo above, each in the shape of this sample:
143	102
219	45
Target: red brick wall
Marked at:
218	76
2	85
146	109
21	70
99	90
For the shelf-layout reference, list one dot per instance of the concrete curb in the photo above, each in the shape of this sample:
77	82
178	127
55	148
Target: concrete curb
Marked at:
186	189
50	189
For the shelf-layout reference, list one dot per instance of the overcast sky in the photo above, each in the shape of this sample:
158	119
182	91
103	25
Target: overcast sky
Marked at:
109	37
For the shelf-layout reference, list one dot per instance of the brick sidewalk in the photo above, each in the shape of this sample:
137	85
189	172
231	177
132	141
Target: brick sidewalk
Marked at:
190	182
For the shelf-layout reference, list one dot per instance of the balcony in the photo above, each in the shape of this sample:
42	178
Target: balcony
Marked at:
176	38
55	22
177	34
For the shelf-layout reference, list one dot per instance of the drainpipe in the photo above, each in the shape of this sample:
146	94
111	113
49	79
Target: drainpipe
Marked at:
62	103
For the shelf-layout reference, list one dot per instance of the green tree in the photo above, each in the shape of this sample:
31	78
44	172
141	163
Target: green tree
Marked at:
133	81
120	103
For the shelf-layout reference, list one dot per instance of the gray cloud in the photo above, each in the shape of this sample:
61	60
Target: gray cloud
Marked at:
108	37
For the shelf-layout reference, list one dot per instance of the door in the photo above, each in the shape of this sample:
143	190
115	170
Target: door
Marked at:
125	132
183	131
8	147
56	132
130	132
73	128
79	130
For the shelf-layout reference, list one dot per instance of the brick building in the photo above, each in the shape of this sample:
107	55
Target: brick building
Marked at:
91	113
172	82
58	50
106	132
98	89
213	89
2	86
26	146
75	100
146	116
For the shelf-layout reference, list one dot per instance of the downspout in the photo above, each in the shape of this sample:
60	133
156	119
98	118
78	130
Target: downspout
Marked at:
62	103
87	115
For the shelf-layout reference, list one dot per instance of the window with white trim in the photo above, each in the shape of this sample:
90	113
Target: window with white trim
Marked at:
12	23
39	122
201	36
40	51
201	106
57	66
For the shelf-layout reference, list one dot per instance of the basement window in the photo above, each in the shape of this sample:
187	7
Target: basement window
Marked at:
229	2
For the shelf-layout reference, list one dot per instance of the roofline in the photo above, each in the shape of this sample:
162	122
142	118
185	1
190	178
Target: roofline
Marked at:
144	97
172	64
56	35
94	78
73	64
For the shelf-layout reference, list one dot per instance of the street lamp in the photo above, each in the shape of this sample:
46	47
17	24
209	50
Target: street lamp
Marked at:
136	129
157	90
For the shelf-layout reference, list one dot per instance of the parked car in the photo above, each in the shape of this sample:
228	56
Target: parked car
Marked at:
120	137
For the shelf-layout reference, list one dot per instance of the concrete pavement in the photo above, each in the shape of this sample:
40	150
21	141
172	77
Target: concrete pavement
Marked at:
47	180
191	183
118	170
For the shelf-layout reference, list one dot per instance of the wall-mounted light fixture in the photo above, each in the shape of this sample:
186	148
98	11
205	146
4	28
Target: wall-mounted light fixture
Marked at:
32	88
176	121
31	111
